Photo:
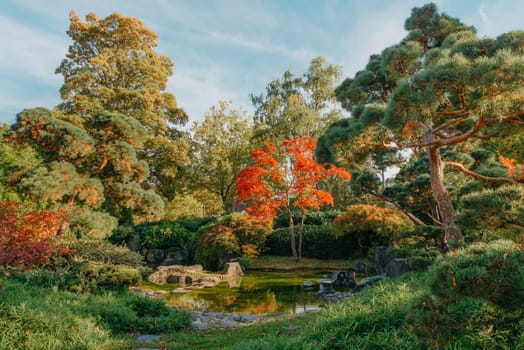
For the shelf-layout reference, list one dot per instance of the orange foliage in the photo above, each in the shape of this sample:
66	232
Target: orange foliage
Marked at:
514	170
26	238
285	177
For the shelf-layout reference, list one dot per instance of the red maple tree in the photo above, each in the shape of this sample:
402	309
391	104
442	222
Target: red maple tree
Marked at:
283	178
26	237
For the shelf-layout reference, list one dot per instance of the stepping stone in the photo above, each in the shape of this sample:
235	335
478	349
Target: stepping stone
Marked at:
199	325
148	338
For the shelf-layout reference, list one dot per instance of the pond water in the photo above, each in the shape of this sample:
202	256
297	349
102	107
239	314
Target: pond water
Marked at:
260	293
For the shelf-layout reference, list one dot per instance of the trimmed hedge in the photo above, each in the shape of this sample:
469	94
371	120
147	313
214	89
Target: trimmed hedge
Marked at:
319	241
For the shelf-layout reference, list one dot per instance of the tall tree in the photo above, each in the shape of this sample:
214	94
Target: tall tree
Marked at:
112	66
285	178
92	171
220	149
442	86
293	107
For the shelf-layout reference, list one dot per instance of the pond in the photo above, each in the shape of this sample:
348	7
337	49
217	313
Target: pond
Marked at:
259	293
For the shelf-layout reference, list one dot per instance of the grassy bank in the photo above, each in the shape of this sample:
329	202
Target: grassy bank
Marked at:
471	299
287	263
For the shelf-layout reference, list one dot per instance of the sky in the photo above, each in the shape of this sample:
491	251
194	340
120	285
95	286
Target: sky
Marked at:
221	49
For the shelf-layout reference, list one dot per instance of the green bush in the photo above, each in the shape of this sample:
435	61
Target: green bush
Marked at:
419	259
230	236
216	247
162	235
477	298
88	224
105	252
96	274
135	313
372	226
38	319
312	218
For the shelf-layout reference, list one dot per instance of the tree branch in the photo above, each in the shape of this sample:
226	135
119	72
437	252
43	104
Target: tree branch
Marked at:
412	217
473	174
435	220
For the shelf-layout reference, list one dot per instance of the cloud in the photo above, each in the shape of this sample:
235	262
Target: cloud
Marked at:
483	14
240	40
30	50
198	88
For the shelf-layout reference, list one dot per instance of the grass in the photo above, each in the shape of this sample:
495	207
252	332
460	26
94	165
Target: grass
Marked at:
288	263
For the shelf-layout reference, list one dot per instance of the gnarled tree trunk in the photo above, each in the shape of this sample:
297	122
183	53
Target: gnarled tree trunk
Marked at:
440	194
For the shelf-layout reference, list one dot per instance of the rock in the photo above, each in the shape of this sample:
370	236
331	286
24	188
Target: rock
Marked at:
233	269
188	280
359	267
148	338
155	256
397	267
381	260
181	291
367	282
228	323
134	242
326	286
199	325
276	314
343	279
308	285
234	282
173	258
247	318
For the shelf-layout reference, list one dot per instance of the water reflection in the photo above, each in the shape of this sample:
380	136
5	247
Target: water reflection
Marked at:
258	293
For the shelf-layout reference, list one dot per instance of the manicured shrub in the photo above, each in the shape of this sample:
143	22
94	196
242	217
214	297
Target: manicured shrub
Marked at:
217	246
317	217
498	213
91	276
371	225
477	299
231	236
419	259
105	252
89	224
163	234
135	313
318	241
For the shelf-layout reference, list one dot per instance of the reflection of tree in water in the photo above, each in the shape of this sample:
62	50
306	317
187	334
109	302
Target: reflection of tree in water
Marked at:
259	294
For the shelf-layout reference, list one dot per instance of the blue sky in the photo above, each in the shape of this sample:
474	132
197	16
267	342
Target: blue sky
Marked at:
222	49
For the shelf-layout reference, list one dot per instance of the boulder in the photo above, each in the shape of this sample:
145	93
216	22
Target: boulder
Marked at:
134	242
381	259
326	286
233	269
308	285
397	267
155	256
367	282
343	279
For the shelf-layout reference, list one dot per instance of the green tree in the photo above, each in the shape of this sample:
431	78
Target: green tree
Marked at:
293	107
220	150
93	172
112	66
442	86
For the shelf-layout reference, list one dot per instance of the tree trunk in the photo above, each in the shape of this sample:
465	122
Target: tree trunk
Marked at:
292	236
301	231
441	196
